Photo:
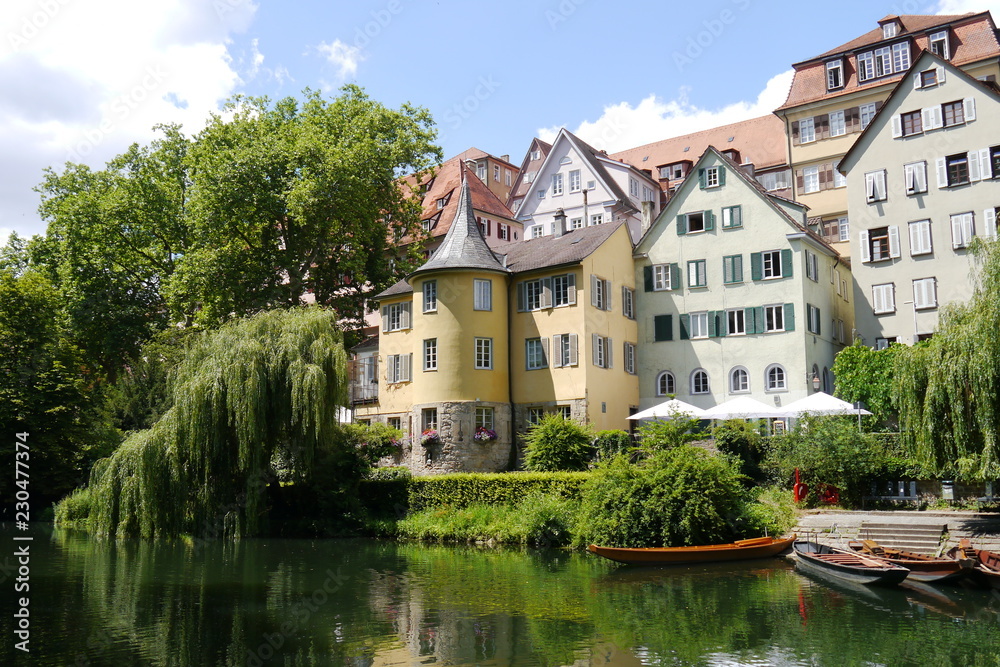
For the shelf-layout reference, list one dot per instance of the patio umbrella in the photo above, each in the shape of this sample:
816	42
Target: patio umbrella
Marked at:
669	409
821	404
743	407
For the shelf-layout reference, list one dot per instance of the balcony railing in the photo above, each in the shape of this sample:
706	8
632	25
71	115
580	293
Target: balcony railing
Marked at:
363	374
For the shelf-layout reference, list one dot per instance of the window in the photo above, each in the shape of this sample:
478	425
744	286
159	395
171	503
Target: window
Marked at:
506	177
565	350
911	123
633	188
503	231
537	231
536	353
879	244
771	264
602	351
736	322
430	296
837	125
953	112
429	419
775	377
867	113
775	180
957	167
844	229
699	382
866	66
732	269
812	266
630	358
600	293
711	177
484	353
697	274
541	194
920	237
496	173
928	78
915	177
536	155
810	180
663	328
628	302
395	422
535	415
396	317
900	57
430	354
807	130
774	318
834	74
739	381
875	186
574	180
889	30
939	44
698	325
665	277
839	180
564	290
665	384
484	417
576	223
483	294
565	411
531	295
596	219
481	171
962	229
691	223
732	216
442	202
925	293
397	368
993	168
557	184
813	324
884	298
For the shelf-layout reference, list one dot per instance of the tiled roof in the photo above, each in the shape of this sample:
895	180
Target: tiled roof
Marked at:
464	246
570	248
973	39
521	185
595	158
402	287
759	140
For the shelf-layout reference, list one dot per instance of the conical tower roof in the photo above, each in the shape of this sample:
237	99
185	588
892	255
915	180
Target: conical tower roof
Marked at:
464	246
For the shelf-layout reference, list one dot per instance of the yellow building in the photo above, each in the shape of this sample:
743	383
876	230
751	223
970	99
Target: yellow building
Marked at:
475	343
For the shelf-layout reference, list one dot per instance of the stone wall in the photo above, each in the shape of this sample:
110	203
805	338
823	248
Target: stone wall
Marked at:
457	449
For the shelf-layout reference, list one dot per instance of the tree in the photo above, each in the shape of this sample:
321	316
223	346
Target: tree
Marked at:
556	443
867	375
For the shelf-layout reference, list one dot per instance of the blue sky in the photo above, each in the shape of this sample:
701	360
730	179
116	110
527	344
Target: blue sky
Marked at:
84	80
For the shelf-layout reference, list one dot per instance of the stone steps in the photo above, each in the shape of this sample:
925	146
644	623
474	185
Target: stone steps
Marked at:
839	527
923	538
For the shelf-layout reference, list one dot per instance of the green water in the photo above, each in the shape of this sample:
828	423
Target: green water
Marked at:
361	602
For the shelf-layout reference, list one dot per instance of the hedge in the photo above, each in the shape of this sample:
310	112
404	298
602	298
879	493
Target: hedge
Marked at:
463	489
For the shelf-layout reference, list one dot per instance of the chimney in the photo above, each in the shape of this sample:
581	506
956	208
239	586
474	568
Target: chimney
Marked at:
647	216
505	158
560	223
749	169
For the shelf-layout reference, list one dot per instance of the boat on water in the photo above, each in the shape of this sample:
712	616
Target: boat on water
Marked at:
986	566
758	547
827	561
925	568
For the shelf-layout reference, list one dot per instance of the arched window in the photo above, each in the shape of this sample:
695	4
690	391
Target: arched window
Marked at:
739	381
699	381
775	377
665	384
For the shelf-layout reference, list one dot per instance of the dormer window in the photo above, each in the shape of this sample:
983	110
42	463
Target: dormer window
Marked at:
835	74
889	30
939	44
536	155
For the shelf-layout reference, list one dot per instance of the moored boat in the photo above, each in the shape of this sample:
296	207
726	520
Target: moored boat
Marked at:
827	561
928	569
986	566
758	547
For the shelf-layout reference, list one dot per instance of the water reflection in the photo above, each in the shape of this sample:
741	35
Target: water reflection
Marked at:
359	602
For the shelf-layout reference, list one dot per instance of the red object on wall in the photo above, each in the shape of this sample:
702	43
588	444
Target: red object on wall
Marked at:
799	490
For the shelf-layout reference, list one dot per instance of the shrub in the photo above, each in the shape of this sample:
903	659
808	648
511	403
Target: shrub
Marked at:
464	489
374	441
768	511
740	438
556	443
663	434
610	443
74	508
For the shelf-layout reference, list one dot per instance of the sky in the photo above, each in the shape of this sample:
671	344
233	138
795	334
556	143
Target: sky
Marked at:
82	80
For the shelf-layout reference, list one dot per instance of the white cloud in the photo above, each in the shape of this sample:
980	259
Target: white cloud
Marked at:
343	56
5	235
93	77
966	6
622	126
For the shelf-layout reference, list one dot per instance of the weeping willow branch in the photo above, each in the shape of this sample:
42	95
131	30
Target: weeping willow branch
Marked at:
948	390
272	381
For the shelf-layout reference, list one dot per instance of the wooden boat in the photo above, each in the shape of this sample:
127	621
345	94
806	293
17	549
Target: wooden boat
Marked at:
928	569
986	568
850	566
758	547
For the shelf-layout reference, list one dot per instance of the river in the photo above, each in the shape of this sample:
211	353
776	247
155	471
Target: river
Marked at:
365	602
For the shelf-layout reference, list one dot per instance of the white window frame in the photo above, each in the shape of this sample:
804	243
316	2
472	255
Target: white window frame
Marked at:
775	378
666	384
736	322
557	184
770	264
496	173
839	180
430	296
835	74
812	266
628	302
810	180
875	186
698	325
921	242
484	354
884	298
867	112
939	37
807	137
915	177
576	223
813	319
700	376
963	229
537	231
925	293
396	317
429	419
574	180
482	294
739	380
485	417
397	368
774	318
629	351
596	219
838	126
430	354
661	278
535	354
866	66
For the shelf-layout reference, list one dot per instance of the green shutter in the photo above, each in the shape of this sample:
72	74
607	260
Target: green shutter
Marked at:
709	218
756	266
737	268
727	269
722	175
685	333
663	327
713	324
819	322
748	321
701	178
786	263
723	323
789	317
647	277
675	276
758	320
682	225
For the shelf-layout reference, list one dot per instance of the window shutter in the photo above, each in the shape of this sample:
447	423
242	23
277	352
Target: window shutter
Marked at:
597	343
682	225
738	268
942	172
786	263
573	345
756	266
789	317
624	301
571	288
685	330
938	118
557	359
990	223
758	319
702	178
748	322
607	295
866	253
724	323
663	328
795	133
893	241
890	297
609	357
897	127
713	324
722	171
521	296
546	300
647	278
709	216
969	107
819	322
973	158
957	240
800	180
675	276
877	299
985	168
916	81
406	367
594	280
545	351
852	119
385	319
728	265
404	318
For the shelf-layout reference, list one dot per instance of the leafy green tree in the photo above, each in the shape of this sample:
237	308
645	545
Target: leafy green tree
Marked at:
669	433
556	443
867	375
611	443
742	439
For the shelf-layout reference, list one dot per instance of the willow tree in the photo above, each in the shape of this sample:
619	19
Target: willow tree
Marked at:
271	384
948	389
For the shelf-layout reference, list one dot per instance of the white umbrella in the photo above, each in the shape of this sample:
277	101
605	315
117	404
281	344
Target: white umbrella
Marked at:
743	407
821	404
669	409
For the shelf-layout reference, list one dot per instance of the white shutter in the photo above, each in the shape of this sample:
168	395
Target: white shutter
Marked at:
897	127
919	294
594	301
973	158
871	192
866	255
545	299
609	346
940	75
877	305
573	346
893	241
968	227
956	231
607	295
597	341
938	118
985	168
385	319
916	81
990	223
942	172
927	118
969	104
404	318
557	357
890	297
